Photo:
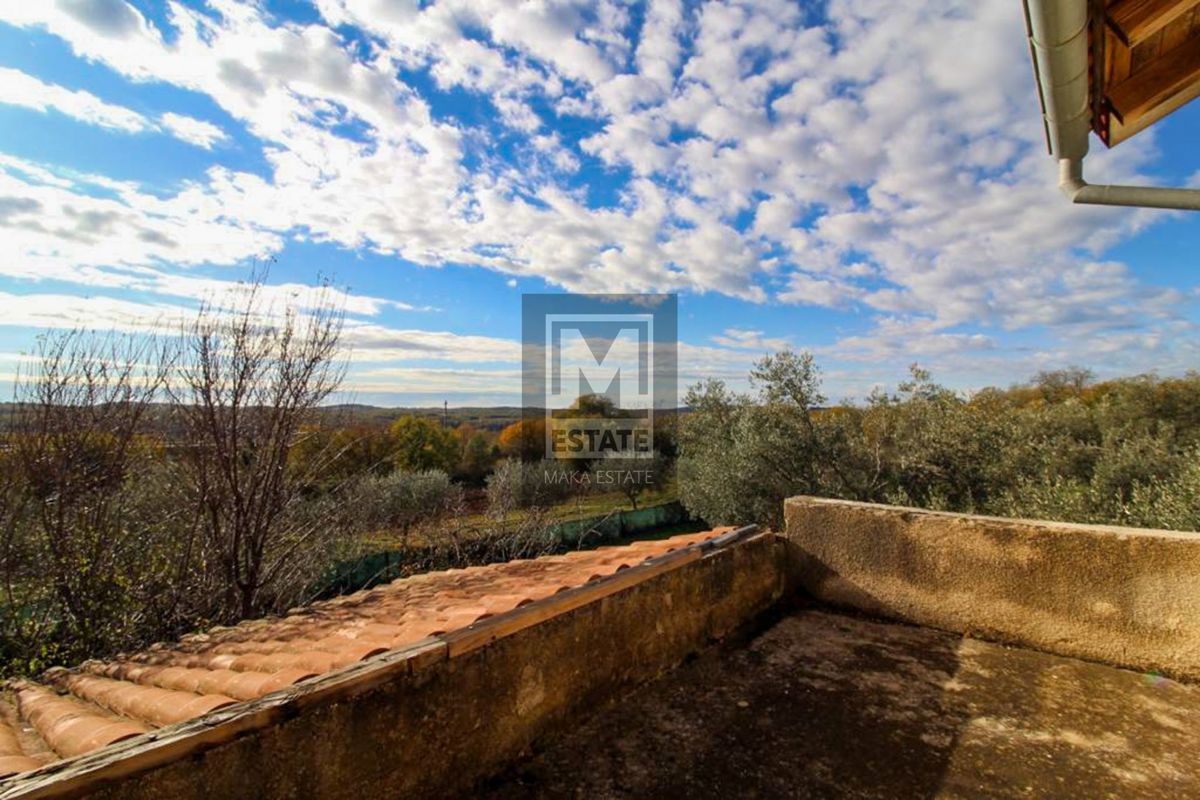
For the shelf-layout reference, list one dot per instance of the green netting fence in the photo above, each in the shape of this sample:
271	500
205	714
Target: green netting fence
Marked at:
619	524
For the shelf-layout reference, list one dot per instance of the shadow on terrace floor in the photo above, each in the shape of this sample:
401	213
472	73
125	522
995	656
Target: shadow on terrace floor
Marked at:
827	705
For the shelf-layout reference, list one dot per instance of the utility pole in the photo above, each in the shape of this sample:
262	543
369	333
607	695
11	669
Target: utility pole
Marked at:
445	413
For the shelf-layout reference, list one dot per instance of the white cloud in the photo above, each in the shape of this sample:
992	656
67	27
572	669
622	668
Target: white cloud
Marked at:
477	386
20	89
192	130
743	339
49	311
371	342
65	225
808	290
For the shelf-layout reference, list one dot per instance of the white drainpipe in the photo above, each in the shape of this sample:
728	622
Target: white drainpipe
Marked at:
1058	39
1070	180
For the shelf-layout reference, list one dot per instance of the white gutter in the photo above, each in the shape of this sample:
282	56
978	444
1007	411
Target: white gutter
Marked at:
1058	40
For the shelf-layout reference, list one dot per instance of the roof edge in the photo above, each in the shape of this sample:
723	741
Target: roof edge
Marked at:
79	775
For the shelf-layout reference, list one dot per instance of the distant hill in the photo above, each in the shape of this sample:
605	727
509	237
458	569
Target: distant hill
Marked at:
492	418
360	414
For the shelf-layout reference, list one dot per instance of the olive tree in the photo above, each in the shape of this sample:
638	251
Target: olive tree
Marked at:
632	477
404	500
741	456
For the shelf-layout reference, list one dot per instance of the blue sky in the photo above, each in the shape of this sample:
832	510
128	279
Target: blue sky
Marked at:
830	176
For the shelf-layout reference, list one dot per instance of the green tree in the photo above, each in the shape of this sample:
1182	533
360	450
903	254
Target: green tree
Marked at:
1059	447
937	449
592	406
419	443
477	453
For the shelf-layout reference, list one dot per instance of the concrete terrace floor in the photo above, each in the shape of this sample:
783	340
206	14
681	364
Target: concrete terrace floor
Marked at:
820	704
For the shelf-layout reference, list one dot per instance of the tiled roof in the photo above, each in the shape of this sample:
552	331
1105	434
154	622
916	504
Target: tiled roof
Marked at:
100	703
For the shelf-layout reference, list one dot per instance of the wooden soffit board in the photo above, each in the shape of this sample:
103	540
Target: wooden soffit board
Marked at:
1145	63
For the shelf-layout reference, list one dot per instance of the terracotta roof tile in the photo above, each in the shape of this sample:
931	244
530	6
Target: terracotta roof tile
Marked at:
103	702
13	757
68	726
149	703
238	685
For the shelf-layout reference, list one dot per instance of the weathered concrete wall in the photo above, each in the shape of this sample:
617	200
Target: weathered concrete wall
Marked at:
1124	596
436	719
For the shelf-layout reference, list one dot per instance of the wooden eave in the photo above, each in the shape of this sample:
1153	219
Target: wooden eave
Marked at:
1145	58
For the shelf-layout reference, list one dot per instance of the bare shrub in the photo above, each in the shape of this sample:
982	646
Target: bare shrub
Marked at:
519	485
461	543
250	379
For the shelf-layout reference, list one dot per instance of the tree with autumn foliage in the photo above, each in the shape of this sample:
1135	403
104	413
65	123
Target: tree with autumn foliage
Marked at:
524	439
